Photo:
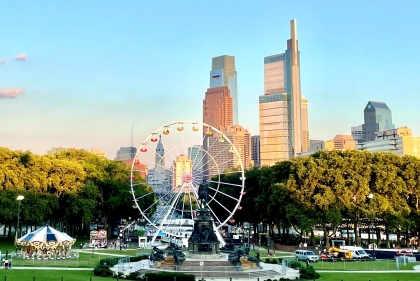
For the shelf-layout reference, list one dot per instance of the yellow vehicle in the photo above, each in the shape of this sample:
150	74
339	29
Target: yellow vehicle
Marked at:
340	253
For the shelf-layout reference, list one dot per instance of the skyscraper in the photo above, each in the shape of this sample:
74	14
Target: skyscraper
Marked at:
217	107
255	150
378	118
305	125
284	128
125	153
223	73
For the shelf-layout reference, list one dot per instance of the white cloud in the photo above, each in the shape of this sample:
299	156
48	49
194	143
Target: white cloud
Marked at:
3	60
21	57
10	93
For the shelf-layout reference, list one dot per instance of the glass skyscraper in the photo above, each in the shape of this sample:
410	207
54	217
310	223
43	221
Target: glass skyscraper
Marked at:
378	118
284	128
223	73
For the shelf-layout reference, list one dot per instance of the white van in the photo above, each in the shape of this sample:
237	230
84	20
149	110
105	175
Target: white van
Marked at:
358	252
304	255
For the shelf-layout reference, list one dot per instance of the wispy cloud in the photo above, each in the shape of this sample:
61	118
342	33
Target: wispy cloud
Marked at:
10	93
3	60
21	57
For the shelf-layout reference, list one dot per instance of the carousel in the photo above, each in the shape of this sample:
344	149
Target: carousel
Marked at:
45	243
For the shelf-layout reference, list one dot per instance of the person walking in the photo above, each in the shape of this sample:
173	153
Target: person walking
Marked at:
6	263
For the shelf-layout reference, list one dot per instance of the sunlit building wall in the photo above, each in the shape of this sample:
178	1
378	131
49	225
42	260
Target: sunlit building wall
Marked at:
182	168
398	141
217	107
223	73
284	128
274	130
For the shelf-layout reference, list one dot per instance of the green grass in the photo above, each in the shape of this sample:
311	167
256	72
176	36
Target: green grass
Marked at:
369	276
360	265
49	275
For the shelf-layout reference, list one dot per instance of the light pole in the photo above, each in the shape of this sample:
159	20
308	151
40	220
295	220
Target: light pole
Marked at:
370	197
19	198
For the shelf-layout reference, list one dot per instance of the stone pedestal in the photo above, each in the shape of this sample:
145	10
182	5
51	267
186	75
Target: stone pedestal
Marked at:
203	241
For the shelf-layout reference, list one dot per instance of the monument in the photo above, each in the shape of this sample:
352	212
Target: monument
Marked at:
203	240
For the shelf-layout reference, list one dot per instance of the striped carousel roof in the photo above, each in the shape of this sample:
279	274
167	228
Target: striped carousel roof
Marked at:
45	235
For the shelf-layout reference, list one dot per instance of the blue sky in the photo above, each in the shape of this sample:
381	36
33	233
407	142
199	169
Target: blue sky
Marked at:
93	68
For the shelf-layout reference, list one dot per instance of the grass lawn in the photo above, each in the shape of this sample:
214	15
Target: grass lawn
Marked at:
360	265
49	275
369	276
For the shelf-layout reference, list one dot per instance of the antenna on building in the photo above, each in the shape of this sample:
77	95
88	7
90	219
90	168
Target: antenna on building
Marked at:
132	135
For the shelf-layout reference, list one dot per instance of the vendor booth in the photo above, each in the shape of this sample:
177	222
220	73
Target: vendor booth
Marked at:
98	239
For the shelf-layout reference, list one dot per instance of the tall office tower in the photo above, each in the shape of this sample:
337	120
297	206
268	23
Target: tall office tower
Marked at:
305	125
223	73
125	153
217	107
195	153
283	110
378	117
255	150
224	157
181	167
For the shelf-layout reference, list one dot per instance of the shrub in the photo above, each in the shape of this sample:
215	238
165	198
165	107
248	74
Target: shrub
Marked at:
102	270
139	258
308	273
109	262
281	279
295	264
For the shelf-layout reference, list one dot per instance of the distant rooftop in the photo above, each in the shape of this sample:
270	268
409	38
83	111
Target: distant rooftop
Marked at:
378	105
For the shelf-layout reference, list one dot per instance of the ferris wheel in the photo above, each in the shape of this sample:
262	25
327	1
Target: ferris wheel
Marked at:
175	159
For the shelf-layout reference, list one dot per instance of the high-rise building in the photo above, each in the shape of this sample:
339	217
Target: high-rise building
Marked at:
255	150
195	153
224	157
160	177
398	141
344	142
378	117
181	177
223	73
358	133
305	125
284	128
217	107
125	153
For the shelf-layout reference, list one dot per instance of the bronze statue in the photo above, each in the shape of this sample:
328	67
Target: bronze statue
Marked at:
203	192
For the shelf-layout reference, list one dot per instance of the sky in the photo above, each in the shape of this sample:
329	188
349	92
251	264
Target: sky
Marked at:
83	73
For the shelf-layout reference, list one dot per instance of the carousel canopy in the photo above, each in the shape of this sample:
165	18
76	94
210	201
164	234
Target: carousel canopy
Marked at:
45	236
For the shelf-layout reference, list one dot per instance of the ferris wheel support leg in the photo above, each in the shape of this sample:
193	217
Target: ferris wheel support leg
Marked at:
218	235
165	217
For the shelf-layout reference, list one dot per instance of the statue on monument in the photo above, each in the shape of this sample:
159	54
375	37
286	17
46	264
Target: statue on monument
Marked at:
203	193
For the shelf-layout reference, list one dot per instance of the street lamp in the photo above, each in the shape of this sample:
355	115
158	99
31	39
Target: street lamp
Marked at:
370	197
19	198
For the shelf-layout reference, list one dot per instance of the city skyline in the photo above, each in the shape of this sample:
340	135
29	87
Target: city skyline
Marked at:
81	76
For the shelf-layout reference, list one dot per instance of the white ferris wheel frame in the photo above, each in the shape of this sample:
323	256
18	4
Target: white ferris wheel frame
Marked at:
200	126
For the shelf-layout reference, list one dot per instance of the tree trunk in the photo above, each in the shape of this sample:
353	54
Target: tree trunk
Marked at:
356	233
326	236
378	236
9	235
398	238
313	242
